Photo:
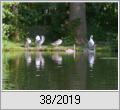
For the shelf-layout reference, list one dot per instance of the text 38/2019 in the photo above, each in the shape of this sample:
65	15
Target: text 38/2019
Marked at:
60	99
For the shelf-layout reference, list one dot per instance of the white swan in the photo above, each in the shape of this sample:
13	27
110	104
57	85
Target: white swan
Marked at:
37	38
28	42
70	51
40	40
57	43
91	43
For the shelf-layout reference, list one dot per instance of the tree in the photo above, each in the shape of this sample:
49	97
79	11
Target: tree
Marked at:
61	20
78	11
10	21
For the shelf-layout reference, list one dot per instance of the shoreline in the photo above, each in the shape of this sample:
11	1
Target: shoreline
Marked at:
44	48
54	49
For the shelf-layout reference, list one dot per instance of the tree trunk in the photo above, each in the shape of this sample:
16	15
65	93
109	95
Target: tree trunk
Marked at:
16	12
78	10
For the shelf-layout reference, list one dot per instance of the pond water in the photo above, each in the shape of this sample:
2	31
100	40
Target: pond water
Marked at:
59	71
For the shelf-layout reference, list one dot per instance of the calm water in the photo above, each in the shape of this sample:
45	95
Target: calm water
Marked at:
59	71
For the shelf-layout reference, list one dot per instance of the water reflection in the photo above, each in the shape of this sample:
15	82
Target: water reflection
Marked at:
91	58
71	53
39	61
73	74
57	58
28	57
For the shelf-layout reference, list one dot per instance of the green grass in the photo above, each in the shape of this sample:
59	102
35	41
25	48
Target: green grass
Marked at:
11	46
8	45
103	48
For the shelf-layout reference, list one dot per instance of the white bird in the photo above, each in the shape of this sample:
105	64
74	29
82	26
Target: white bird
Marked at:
91	43
70	51
57	43
37	38
40	40
28	42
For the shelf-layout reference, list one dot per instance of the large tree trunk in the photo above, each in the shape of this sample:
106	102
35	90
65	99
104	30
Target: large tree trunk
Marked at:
16	31
78	10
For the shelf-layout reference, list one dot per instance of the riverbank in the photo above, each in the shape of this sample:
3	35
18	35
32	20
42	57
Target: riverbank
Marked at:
11	46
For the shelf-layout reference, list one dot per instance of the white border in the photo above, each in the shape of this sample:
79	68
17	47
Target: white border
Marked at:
118	43
58	1
61	90
1	46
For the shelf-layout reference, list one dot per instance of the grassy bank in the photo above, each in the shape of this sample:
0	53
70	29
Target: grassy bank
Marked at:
11	46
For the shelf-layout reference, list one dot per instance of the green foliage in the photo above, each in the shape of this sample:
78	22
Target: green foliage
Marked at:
57	20
102	20
7	31
53	20
10	20
69	39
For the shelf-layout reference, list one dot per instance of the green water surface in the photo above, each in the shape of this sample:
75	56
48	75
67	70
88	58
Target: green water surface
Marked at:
59	71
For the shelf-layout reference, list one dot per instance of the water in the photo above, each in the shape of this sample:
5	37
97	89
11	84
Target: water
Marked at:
59	71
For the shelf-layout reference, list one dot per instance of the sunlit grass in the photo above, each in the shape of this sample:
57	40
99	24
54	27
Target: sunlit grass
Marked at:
11	46
8	45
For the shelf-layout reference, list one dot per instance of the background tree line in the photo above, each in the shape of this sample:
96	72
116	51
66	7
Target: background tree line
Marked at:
73	22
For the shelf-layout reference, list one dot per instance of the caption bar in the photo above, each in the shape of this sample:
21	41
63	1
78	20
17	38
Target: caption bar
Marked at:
61	100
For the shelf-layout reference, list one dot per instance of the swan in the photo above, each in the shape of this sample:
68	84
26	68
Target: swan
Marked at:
40	40
37	38
91	43
28	42
57	43
70	51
